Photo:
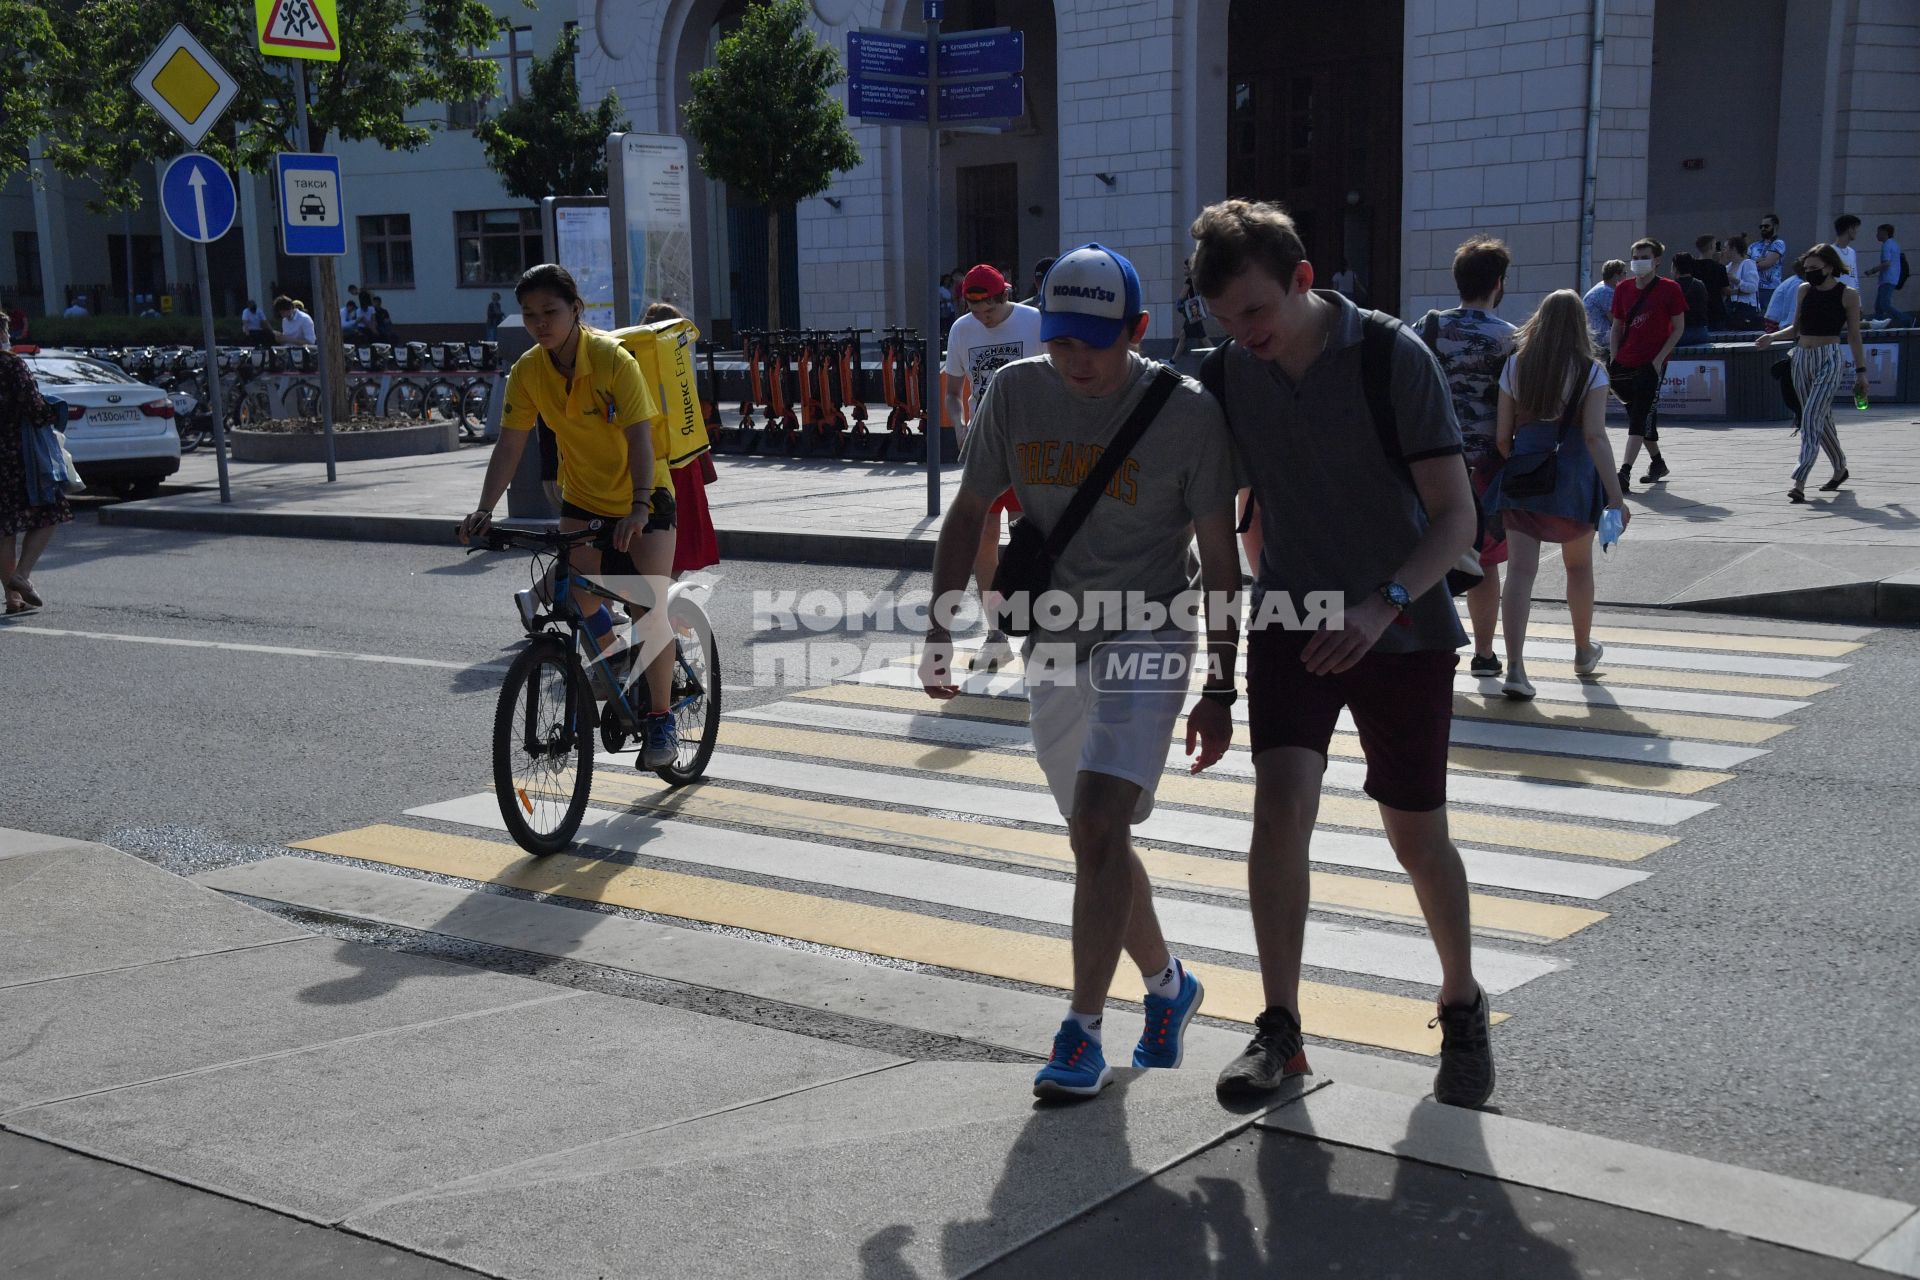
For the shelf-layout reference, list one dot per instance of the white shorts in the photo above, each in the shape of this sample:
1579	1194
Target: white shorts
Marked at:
1113	719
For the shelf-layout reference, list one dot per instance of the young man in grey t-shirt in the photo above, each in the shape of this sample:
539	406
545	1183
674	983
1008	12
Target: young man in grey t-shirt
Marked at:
1341	507
1108	663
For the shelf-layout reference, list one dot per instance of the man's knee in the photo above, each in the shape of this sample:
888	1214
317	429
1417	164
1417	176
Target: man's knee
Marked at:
1102	817
1419	839
1286	798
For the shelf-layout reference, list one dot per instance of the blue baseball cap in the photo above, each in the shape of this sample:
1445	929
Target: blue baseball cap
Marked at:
1090	293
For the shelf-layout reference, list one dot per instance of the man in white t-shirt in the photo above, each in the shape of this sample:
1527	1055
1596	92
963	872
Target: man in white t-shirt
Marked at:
1845	228
995	331
296	326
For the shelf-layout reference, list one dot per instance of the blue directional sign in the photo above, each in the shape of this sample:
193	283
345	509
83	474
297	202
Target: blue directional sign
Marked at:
899	101
198	197
998	51
872	52
1000	98
311	221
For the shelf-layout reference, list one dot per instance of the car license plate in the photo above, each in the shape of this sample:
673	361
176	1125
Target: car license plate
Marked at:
114	417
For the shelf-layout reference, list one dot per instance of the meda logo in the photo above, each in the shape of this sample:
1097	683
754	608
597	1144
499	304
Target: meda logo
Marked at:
1092	291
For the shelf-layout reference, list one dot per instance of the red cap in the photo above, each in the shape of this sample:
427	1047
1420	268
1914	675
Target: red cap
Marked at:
983	282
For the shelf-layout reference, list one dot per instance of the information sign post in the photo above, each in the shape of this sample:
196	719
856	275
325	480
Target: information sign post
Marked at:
200	202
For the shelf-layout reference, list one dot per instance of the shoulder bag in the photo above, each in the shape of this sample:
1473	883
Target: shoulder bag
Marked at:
1534	475
1026	566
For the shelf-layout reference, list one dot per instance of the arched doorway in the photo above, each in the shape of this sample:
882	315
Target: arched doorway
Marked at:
1314	122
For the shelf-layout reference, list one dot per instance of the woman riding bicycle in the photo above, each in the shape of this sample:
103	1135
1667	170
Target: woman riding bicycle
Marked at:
589	391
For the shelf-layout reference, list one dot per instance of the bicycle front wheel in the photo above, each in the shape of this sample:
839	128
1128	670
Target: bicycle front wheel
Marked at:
543	747
696	690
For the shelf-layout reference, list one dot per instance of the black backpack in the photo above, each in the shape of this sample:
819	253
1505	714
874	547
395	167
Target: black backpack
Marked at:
1378	333
1901	283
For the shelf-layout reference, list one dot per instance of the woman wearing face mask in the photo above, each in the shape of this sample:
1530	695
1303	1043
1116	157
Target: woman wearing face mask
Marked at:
1649	316
1824	310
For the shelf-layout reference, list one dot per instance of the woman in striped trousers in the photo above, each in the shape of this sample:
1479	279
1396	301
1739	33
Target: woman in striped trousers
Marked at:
1824	311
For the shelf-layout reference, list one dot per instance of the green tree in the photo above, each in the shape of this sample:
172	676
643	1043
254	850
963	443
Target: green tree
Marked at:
29	51
546	144
395	56
765	121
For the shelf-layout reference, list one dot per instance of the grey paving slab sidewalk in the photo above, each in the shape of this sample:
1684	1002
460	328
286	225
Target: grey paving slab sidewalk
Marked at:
1718	533
228	1096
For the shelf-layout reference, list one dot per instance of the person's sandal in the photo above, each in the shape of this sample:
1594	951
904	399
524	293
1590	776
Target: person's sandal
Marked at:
24	589
15	604
1796	495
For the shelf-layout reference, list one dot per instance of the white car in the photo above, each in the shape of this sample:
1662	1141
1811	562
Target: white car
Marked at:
120	432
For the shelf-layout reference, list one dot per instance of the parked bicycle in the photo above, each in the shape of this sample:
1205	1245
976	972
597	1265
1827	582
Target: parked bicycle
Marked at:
560	693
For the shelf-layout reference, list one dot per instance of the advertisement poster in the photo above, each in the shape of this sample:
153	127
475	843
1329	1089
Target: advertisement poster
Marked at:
584	242
1694	389
653	219
1883	371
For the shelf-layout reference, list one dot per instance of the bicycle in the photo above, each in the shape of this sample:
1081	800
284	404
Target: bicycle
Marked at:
550	700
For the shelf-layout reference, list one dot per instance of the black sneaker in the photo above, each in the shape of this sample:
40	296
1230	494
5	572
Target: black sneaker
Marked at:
1484	666
1465	1078
1626	480
1274	1053
1657	472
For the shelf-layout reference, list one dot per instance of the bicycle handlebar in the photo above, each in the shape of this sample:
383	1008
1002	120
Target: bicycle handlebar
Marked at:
509	537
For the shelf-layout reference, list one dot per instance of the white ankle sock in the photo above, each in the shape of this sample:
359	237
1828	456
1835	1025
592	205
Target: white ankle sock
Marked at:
1087	1022
1166	983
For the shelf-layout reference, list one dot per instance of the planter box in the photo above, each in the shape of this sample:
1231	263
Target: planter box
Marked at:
348	446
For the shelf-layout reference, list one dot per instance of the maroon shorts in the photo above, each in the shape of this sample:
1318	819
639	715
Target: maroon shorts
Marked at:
1005	502
1402	704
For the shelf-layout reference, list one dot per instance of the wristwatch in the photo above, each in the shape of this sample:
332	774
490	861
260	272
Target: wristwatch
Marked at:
1225	695
1396	595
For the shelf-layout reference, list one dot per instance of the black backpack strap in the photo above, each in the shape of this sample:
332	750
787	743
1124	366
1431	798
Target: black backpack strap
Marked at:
1430	331
1116	451
1213	376
1377	336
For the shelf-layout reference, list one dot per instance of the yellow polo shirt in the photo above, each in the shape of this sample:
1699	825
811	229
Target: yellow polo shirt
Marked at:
589	421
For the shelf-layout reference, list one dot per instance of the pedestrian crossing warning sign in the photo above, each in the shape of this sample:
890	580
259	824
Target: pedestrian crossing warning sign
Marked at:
299	28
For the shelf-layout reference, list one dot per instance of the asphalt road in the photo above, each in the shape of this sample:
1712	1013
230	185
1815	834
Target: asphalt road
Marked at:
1752	1002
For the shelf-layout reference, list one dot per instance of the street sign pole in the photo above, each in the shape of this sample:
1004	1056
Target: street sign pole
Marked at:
213	368
936	409
313	272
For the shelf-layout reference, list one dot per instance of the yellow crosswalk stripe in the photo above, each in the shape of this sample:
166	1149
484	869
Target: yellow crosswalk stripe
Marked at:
1211	793
1672	779
1658	638
1665	724
1337	1013
1389	900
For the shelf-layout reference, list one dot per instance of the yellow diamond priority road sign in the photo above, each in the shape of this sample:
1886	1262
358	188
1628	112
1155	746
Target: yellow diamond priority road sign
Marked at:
185	85
298	28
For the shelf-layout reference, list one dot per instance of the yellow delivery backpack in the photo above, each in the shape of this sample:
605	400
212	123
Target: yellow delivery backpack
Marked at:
665	353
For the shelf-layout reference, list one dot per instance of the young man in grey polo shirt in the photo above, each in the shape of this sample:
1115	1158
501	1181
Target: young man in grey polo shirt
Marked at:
1379	521
1105	691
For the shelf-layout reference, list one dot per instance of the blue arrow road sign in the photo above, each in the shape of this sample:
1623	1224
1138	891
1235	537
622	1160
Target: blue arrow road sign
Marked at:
886	53
311	221
902	102
998	52
1001	98
198	198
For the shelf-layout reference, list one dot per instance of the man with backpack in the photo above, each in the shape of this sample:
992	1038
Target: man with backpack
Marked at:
1472	345
1346	434
1891	273
1120	466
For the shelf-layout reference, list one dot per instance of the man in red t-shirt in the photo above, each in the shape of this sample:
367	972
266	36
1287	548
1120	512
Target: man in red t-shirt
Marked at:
1649	315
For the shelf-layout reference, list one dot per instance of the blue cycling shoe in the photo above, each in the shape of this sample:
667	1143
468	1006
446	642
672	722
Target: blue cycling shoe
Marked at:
1078	1069
659	741
1163	1042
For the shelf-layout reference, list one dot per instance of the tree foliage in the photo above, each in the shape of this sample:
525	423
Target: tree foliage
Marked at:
546	144
766	122
29	52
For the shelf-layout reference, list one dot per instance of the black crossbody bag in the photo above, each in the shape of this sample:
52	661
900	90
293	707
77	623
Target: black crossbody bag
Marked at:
1026	565
1534	475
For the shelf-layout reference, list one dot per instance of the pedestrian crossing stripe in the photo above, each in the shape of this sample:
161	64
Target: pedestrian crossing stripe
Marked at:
1512	919
1208	793
1214	927
1513	764
1332	1012
1187	828
1498	793
1613	635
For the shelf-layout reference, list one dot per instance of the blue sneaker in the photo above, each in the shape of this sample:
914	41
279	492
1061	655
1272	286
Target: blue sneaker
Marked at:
1163	1042
1077	1069
659	741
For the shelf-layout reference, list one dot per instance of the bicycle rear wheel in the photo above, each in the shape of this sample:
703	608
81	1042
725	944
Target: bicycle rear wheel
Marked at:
696	690
543	746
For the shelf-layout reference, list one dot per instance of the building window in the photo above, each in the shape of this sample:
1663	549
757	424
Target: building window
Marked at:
386	250
494	246
26	262
512	52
